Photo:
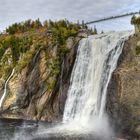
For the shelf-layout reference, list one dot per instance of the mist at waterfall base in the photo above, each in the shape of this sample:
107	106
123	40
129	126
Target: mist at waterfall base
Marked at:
85	116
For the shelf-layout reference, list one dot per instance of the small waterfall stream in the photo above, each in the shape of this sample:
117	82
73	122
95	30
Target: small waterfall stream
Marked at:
5	88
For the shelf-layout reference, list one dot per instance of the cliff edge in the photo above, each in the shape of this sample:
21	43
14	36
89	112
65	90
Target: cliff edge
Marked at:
123	101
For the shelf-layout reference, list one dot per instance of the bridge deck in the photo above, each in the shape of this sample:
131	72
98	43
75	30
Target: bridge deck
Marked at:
112	17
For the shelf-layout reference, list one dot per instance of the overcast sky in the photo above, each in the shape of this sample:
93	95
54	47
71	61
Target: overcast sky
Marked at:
18	10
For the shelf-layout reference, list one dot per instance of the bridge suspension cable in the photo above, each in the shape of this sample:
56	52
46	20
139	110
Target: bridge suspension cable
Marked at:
112	17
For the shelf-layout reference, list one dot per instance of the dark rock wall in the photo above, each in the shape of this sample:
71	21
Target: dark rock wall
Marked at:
123	101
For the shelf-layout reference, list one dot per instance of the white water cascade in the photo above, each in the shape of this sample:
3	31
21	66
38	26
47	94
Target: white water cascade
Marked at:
5	88
84	112
97	58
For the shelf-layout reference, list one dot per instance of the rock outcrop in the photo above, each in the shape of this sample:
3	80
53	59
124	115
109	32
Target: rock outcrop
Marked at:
38	91
123	101
42	56
135	20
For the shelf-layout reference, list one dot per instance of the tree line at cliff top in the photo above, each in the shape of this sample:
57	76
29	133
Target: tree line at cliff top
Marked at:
29	25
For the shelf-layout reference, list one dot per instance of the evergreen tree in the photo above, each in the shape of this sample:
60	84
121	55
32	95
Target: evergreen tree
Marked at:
95	30
46	24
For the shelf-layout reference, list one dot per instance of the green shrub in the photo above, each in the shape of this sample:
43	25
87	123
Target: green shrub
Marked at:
56	67
62	51
25	61
135	20
51	86
137	50
7	71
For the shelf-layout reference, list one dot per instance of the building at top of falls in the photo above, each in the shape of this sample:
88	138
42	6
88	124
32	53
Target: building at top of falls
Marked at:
136	22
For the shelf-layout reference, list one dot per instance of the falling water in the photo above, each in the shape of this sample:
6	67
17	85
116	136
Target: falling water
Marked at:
5	89
97	58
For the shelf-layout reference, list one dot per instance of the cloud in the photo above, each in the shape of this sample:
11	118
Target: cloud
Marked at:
18	10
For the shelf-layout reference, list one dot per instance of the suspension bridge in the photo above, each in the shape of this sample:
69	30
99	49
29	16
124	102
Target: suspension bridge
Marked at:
112	17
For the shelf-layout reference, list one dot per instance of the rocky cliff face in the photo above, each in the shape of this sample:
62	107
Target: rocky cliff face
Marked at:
123	101
38	91
42	57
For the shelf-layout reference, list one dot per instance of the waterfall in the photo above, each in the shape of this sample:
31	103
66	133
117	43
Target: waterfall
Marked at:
97	58
5	89
84	112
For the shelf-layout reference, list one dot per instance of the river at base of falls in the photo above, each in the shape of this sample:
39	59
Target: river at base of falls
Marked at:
12	129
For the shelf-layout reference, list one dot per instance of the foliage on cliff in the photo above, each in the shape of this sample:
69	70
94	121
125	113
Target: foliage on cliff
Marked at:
135	20
138	49
24	26
23	40
42	56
